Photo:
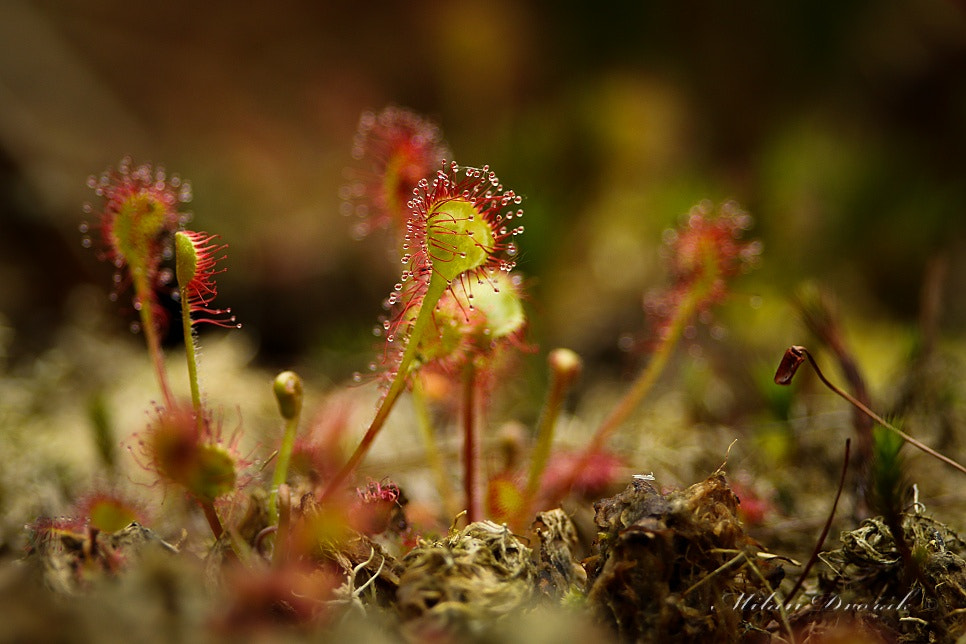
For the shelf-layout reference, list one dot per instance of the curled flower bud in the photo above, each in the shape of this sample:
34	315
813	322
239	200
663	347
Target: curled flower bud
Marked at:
397	148
565	366
195	266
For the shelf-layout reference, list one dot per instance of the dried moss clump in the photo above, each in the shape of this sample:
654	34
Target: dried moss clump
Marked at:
71	557
557	569
671	566
928	605
462	583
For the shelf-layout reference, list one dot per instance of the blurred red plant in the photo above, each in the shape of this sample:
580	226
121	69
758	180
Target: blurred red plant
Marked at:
396	148
137	221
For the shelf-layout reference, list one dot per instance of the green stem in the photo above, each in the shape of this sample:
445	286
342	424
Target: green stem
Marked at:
471	451
641	387
190	350
284	520
281	465
433	454
437	286
546	427
150	330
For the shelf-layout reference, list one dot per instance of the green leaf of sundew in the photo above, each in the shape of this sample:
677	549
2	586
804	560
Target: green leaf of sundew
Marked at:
458	237
461	322
213	474
500	302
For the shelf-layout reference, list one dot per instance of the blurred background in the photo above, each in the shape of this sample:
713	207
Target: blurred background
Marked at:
840	126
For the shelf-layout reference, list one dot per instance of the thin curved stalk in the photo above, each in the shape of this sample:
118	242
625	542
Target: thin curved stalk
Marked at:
793	359
641	387
437	286
151	338
825	530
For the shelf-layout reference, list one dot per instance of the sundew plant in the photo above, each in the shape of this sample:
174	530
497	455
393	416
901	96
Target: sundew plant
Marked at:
298	540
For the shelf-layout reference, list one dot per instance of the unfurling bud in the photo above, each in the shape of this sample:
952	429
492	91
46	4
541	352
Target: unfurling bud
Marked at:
566	366
196	260
288	393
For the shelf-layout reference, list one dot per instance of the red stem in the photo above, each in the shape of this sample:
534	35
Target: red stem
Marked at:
641	387
213	521
825	530
150	329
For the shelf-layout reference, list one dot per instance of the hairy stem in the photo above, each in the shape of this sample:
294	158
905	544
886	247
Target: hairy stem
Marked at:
281	466
190	349
437	286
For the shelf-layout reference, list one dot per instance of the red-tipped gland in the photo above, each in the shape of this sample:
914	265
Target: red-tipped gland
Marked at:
138	217
396	148
378	507
196	261
460	224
